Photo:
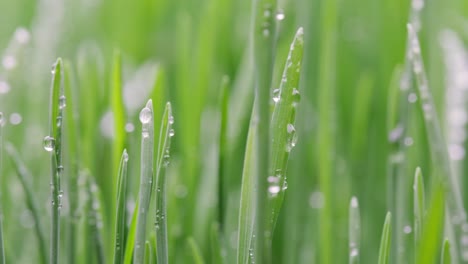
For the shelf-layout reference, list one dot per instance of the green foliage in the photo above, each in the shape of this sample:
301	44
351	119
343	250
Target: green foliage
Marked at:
222	184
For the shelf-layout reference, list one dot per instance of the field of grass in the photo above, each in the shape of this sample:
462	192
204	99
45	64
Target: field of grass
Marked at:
233	131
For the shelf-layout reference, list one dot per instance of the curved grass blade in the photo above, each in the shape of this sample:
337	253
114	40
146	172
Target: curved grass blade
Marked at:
354	231
385	242
439	154
431	237
445	255
161	200
419	209
247	200
148	253
146	180
195	251
282	130
72	151
264	39
2	249
53	144
95	221
131	237
31	200
121	215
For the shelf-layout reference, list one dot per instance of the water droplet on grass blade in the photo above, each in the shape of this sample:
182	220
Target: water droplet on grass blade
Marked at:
49	143
276	95
171	132
280	15
171	120
145	115
62	102
9	62
1	118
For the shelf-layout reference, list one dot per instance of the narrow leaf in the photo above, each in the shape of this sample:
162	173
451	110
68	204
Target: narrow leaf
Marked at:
385	241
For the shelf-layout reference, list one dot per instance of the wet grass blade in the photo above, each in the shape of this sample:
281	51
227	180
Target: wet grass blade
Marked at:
163	156
148	253
53	144
31	199
445	255
385	242
282	130
130	243
419	210
195	251
247	199
438	147
2	248
146	180
431	237
121	212
95	221
264	39
354	231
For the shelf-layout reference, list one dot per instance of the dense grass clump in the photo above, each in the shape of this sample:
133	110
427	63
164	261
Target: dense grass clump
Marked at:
225	131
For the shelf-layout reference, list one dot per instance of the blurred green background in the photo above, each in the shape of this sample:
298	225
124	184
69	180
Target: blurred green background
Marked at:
189	47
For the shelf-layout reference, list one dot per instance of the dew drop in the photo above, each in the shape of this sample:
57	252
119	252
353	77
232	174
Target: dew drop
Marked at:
280	16
125	156
354	252
171	132
274	190
412	98
395	134
273	179
408	141
52	70
62	102
171	120
290	128
285	185
266	32
296	97
407	229
15	118
129	127
1	118
49	143
276	95
145	115
145	134
22	35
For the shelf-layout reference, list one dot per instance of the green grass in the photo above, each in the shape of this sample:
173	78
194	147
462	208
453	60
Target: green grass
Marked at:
299	125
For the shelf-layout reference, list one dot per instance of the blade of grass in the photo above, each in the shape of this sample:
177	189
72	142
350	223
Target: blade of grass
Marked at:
419	210
264	39
31	199
148	253
282	130
326	139
224	110
95	222
385	242
121	212
247	200
129	245
53	144
146	180
445	255
354	231
431	237
2	249
195	251
161	198
439	154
